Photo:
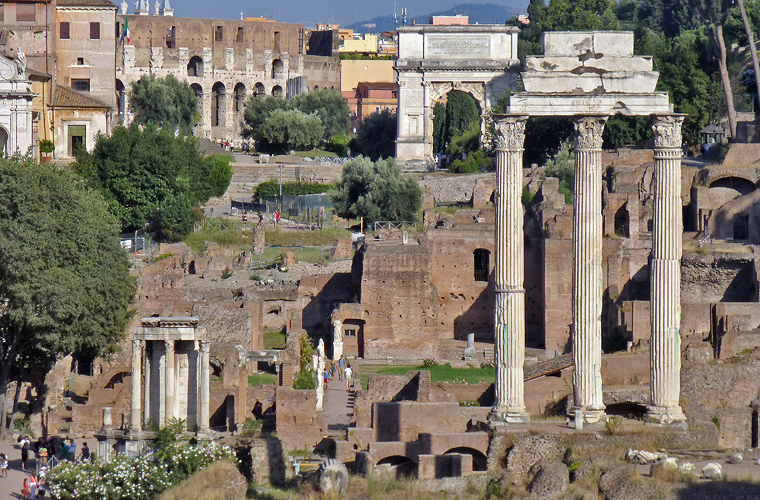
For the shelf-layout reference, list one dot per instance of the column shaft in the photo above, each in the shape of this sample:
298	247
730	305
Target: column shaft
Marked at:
587	269
169	411
147	386
203	399
509	335
134	424
665	277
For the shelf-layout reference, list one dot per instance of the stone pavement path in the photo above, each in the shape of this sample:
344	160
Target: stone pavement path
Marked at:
11	487
338	404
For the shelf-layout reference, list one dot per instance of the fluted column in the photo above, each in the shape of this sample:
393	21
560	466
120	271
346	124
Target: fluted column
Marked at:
665	276
134	424
203	399
509	335
587	269
169	412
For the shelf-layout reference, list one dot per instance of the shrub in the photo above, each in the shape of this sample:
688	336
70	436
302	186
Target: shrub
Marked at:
305	380
612	424
227	273
133	478
47	146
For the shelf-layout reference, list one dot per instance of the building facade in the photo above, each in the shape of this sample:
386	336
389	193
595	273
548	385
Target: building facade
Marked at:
224	61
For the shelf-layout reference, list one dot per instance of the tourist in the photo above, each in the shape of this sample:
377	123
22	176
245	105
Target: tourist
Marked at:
3	465
25	443
33	486
25	488
85	454
327	377
261	219
258	410
341	367
349	372
72	450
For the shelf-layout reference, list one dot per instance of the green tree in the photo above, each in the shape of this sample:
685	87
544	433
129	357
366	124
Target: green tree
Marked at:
331	107
376	136
439	127
64	279
562	166
149	175
376	191
292	129
461	114
166	102
257	110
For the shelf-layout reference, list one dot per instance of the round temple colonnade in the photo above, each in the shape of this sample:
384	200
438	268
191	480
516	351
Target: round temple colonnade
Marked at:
588	77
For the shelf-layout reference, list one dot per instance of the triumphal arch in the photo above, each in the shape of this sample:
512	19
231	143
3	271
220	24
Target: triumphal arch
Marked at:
433	60
588	77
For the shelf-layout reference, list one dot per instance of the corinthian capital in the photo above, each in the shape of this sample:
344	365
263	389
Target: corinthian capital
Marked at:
588	132
510	132
667	131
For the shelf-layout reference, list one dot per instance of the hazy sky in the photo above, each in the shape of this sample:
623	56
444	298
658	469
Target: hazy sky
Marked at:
310	12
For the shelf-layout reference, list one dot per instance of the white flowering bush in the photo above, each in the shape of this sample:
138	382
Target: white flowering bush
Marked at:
133	478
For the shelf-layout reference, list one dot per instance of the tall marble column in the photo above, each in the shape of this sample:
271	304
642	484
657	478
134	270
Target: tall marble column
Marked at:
509	335
587	270
665	276
203	399
169	384
134	423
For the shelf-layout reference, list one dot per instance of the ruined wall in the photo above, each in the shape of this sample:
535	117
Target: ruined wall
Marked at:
718	278
398	294
405	420
323	294
298	425
465	301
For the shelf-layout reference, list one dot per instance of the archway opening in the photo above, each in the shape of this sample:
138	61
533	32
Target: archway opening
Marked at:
218	104
258	89
277	91
479	460
456	124
743	186
198	95
195	66
277	69
240	95
402	467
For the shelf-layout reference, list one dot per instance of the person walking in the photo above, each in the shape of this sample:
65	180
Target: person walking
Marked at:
341	367
72	451
3	465
85	454
25	489
33	486
349	372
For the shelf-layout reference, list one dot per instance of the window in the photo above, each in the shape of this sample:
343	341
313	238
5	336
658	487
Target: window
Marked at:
218	33
171	37
64	30
80	61
349	333
94	31
240	34
480	257
276	41
25	12
2	12
80	84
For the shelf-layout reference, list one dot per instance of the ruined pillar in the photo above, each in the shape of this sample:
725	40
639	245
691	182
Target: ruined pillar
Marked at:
134	423
169	384
337	339
147	387
203	397
587	270
509	335
665	275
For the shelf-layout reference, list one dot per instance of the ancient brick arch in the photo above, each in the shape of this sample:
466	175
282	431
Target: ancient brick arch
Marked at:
433	60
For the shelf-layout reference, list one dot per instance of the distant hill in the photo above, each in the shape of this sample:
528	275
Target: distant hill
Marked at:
480	13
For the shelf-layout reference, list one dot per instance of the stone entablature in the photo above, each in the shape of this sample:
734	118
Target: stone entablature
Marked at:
433	60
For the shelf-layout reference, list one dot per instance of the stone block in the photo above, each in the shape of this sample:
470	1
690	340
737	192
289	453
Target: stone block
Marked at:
426	467
566	44
561	82
625	82
632	64
613	43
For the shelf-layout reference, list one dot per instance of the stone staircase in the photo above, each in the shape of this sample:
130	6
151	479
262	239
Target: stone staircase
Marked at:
209	147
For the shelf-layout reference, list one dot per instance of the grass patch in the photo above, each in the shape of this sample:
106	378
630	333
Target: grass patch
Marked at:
274	340
319	237
452	209
439	373
223	237
316	153
258	379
